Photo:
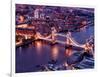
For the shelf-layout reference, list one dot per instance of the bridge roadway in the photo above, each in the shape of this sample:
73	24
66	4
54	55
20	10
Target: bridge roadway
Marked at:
73	42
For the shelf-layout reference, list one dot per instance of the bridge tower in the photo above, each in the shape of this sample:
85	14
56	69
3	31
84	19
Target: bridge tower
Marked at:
68	46
53	35
88	47
37	36
68	41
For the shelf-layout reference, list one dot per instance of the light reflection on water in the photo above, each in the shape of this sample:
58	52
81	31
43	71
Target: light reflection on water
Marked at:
20	50
38	45
54	52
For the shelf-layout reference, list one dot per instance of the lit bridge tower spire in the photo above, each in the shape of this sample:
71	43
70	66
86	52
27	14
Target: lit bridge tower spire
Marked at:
68	41
68	45
53	35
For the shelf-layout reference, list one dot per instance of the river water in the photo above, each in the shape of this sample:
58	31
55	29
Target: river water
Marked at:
40	53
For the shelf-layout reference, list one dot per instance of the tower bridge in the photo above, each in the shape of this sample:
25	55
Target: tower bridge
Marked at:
69	40
53	38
